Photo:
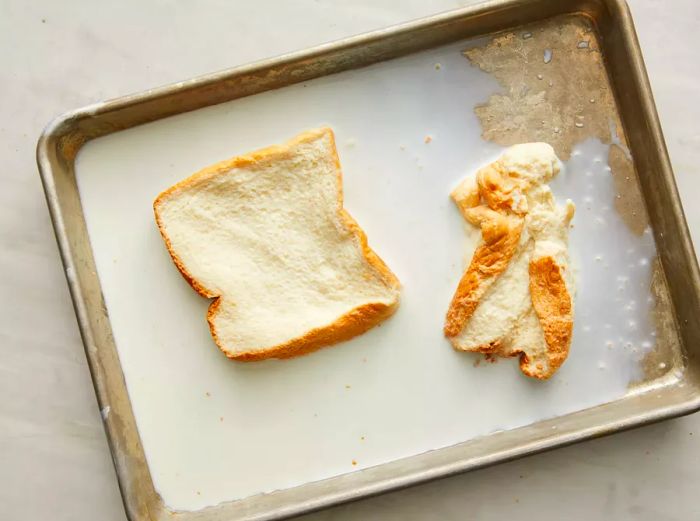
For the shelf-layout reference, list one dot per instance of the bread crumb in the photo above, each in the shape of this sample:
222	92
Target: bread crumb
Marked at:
354	462
438	66
362	438
208	394
199	493
428	139
364	360
477	362
221	418
347	386
402	147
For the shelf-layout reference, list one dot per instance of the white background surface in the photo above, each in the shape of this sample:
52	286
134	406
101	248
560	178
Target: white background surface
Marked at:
54	462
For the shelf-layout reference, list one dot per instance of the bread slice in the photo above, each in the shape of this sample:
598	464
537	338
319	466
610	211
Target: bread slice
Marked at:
515	298
265	235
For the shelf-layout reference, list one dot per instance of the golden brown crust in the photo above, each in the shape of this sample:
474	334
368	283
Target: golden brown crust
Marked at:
349	325
501	235
466	197
353	323
498	189
552	304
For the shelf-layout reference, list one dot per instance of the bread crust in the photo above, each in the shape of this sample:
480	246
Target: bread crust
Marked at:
552	304
347	326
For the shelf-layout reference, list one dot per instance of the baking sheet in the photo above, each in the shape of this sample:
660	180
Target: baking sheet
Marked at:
214	430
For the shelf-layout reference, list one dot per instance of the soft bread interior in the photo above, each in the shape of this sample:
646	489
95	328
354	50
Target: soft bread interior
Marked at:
266	235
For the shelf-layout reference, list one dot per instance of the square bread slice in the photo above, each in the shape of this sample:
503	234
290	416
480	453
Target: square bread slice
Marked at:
265	235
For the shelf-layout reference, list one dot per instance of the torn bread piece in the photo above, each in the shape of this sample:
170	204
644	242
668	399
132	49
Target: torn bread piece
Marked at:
265	235
515	298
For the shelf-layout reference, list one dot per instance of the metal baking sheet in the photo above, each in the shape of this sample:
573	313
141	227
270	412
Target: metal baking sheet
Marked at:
195	436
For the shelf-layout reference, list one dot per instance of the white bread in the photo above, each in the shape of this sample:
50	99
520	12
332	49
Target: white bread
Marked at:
515	298
266	236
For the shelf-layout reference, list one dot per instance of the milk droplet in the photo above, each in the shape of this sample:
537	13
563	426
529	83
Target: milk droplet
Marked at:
662	365
582	44
578	124
547	55
539	76
527	35
592	100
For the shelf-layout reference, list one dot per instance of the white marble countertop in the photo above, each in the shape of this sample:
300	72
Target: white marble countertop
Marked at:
54	460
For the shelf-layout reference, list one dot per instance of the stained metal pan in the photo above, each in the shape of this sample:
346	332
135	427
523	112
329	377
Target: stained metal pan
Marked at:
656	398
